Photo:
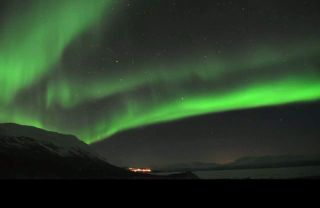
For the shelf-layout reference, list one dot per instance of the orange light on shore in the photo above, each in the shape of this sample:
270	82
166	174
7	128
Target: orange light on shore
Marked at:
140	170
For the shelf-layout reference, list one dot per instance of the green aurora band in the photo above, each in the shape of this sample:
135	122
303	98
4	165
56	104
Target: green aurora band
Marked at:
36	40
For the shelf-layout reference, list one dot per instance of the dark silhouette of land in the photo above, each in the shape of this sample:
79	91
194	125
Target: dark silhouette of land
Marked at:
31	153
263	162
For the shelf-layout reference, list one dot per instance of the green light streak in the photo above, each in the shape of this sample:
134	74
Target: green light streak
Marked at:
69	92
286	91
34	41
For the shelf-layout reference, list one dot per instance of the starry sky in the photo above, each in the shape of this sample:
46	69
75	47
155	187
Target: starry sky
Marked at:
165	80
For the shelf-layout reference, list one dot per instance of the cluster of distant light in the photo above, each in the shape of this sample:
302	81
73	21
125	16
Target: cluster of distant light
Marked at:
149	94
140	170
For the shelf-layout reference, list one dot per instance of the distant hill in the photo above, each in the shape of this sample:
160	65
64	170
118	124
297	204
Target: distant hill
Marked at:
248	163
276	161
186	167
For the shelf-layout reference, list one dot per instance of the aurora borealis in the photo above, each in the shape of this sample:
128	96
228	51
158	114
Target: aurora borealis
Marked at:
53	74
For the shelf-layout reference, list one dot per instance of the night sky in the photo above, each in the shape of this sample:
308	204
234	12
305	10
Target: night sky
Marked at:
165	81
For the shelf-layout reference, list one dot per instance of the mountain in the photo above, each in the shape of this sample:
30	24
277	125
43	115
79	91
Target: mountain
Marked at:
275	161
28	152
186	167
63	145
31	153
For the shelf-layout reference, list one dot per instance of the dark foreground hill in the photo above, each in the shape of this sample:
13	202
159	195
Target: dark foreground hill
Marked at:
28	152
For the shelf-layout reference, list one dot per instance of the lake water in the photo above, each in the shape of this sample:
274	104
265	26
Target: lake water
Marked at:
267	173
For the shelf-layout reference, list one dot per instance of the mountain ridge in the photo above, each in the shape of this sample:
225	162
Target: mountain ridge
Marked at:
249	162
28	152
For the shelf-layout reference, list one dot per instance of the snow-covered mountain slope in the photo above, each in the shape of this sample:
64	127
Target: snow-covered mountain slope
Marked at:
58	143
28	152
